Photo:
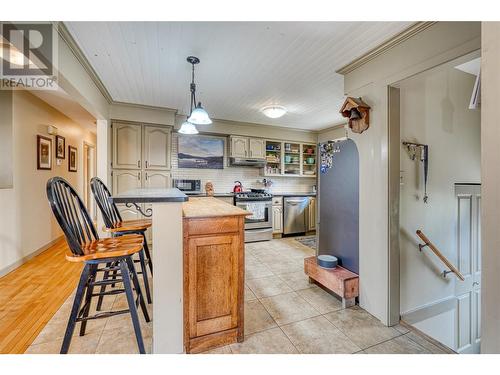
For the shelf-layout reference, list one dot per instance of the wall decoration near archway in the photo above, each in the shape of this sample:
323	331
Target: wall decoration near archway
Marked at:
339	207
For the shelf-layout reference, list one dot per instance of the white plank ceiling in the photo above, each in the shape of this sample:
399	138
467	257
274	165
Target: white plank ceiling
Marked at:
244	65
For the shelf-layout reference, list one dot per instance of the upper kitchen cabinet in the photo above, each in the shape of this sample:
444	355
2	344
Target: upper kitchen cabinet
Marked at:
127	145
156	147
138	146
249	148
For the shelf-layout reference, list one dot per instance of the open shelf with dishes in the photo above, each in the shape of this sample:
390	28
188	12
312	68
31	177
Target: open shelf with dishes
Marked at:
290	159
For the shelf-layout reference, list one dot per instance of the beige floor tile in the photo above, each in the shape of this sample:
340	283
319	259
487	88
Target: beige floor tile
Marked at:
249	296
285	265
422	341
257	318
398	345
222	350
318	336
288	308
79	345
272	341
256	271
362	328
321	300
122	341
400	328
56	329
297	280
268	286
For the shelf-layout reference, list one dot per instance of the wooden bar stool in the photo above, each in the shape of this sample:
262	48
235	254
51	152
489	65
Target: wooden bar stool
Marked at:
114	224
85	246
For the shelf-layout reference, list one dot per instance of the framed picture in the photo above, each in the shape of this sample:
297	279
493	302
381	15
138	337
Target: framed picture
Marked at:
60	147
43	152
201	152
72	159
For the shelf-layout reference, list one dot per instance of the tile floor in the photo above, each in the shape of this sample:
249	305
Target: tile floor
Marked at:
283	314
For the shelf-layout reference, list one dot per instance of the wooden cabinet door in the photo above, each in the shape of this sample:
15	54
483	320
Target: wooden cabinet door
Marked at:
127	145
277	219
239	147
156	147
157	179
213	277
256	148
312	214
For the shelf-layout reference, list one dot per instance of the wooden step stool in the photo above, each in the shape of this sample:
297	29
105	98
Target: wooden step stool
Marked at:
342	282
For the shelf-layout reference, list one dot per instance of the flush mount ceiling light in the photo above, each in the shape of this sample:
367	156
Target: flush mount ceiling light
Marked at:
188	128
273	111
198	115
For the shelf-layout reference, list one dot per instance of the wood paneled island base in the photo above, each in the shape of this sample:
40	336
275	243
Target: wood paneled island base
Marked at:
214	273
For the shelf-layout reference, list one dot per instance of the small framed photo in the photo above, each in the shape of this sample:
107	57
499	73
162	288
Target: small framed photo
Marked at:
72	159
60	147
43	152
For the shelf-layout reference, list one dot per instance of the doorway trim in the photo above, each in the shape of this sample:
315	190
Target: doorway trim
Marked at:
87	175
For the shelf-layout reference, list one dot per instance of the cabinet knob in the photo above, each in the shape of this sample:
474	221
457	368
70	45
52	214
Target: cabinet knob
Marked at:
146	163
139	176
138	163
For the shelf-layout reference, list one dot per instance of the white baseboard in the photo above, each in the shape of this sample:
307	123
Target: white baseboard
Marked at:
429	310
4	271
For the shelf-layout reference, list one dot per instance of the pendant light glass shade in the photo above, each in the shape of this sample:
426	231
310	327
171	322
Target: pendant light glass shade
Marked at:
274	111
199	116
188	128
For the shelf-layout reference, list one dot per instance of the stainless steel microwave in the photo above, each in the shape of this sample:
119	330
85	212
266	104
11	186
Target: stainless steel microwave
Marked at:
187	186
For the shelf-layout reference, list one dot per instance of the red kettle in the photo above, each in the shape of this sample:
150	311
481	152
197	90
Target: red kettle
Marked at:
238	188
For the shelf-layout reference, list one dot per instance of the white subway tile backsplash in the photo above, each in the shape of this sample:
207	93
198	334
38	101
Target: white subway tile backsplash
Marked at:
250	177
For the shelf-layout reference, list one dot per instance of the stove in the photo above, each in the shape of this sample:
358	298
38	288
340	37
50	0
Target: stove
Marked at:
258	226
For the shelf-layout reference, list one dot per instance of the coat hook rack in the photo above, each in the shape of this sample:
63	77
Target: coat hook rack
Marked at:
424	158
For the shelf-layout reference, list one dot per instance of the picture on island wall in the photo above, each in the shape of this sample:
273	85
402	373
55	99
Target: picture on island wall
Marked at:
44	152
72	159
201	152
60	147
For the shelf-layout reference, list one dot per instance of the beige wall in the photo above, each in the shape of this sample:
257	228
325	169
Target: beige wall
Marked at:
490	160
27	223
434	111
435	45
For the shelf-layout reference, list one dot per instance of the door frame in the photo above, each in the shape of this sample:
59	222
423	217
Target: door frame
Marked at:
89	171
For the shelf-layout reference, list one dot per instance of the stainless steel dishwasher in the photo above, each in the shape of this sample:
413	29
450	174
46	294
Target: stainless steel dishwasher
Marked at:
295	209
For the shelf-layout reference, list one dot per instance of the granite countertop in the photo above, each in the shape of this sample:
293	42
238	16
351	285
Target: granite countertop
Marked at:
150	196
215	194
198	207
311	194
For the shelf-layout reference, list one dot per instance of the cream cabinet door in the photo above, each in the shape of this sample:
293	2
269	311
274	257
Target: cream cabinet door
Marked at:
156	147
123	181
156	179
312	214
256	148
277	219
239	147
127	145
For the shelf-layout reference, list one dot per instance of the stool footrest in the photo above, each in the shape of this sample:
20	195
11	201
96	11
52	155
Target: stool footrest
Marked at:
105	314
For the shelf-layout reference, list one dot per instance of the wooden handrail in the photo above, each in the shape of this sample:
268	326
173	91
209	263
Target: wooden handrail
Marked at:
438	253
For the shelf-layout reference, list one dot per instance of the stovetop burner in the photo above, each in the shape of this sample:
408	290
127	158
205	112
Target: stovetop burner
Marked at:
253	196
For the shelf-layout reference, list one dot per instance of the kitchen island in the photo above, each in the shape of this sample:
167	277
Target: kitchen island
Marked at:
214	274
198	263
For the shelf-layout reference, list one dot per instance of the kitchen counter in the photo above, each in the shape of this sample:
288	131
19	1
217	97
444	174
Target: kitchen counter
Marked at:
311	194
150	196
198	207
215	195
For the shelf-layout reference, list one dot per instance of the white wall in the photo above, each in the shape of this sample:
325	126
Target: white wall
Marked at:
435	45
27	223
490	160
434	111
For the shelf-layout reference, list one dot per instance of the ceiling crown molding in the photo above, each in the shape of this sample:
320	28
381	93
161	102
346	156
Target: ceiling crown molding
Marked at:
73	46
385	46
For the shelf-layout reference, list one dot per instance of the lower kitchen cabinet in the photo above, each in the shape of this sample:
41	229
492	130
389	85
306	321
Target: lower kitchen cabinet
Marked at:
213	282
311	222
277	219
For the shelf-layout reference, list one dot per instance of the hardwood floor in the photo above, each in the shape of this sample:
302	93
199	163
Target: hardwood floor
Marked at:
31	294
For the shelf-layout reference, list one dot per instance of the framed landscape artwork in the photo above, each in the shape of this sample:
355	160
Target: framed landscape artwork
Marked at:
72	159
200	152
43	152
60	147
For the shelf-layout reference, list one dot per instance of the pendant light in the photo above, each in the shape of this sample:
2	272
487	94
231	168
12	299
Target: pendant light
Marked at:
188	128
198	115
